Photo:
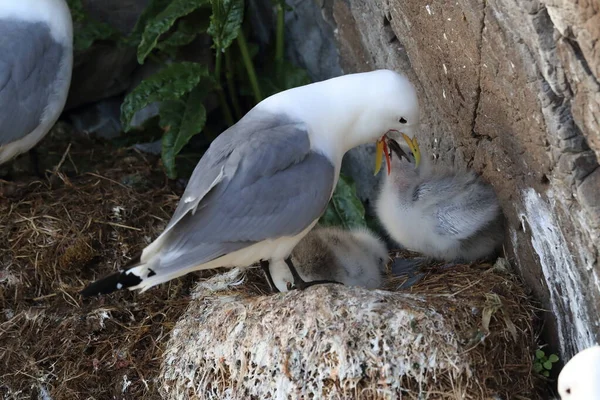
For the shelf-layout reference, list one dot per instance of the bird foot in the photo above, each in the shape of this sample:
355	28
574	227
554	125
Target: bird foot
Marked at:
301	285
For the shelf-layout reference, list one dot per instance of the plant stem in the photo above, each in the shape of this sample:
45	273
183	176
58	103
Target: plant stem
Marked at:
279	38
231	85
222	100
241	40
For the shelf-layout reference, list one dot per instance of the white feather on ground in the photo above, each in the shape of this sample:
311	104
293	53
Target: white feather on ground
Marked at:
353	257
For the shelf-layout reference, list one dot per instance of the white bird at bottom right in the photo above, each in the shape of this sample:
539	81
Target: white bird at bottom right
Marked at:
580	377
443	214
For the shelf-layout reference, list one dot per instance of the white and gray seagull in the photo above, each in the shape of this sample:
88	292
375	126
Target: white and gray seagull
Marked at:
354	257
36	61
263	183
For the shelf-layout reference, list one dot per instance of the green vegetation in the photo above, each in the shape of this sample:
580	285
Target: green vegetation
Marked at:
543	364
234	76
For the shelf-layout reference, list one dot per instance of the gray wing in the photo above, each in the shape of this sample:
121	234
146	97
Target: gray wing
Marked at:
272	185
462	204
29	63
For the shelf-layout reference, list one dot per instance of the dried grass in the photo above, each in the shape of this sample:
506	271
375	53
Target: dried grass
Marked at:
88	218
98	207
461	333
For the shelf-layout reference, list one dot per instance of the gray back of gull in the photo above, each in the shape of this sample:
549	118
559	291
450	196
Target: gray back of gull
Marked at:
273	185
29	63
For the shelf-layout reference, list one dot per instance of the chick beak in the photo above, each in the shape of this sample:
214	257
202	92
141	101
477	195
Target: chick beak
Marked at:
380	151
413	145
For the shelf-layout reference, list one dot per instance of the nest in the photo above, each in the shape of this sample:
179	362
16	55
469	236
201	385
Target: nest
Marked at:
98	206
463	334
95	209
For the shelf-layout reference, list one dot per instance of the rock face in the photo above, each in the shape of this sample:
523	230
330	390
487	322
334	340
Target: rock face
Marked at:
510	88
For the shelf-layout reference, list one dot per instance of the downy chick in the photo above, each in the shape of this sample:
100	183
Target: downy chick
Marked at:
355	258
443	214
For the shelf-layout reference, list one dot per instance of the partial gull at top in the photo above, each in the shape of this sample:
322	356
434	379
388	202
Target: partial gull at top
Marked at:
263	183
36	61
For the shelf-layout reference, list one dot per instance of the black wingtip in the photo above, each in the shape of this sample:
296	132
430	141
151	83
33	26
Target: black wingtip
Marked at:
111	283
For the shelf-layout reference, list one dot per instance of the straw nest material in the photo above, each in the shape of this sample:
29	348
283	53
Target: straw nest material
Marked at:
465	333
98	206
95	209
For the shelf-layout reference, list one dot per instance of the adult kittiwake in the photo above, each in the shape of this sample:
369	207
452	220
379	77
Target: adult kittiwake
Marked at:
36	60
263	183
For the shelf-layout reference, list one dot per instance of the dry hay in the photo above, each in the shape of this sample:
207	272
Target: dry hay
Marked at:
87	219
99	206
465	333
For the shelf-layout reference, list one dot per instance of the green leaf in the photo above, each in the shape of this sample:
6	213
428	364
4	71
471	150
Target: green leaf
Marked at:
537	367
162	22
539	354
225	22
546	374
553	358
181	120
185	34
345	208
548	365
170	83
88	30
153	8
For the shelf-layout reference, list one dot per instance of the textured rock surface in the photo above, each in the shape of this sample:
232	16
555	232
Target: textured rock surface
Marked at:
511	89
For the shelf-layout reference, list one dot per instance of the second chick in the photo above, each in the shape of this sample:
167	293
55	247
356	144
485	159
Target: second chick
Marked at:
443	214
355	258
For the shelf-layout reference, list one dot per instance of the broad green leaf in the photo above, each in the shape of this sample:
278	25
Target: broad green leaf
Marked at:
553	358
546	374
537	367
181	120
345	208
86	29
548	365
185	34
153	8
170	83
162	22
539	354
225	22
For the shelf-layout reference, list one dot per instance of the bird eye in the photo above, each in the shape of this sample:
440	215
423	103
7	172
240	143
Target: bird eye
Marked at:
568	390
402	121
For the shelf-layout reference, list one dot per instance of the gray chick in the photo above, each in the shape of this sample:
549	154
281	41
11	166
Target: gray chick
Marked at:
36	61
353	257
443	214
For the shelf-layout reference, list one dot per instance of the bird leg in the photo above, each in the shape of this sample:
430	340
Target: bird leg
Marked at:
299	283
265	267
34	159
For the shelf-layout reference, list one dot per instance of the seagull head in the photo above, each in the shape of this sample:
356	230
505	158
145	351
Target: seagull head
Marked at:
580	378
351	110
394	113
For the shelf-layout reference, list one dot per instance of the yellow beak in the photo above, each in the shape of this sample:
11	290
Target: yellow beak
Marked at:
413	145
382	149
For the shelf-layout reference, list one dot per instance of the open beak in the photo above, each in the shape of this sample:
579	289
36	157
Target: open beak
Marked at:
379	152
413	145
